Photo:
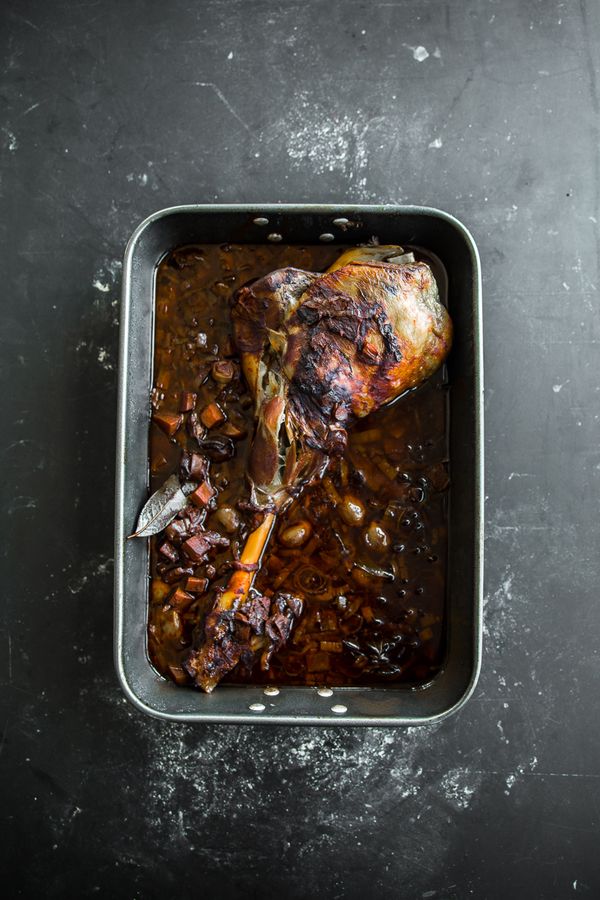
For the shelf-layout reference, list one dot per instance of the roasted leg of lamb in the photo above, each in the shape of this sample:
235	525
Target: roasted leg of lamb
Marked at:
318	352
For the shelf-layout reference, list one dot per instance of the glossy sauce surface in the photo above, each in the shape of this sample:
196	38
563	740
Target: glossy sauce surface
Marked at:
365	548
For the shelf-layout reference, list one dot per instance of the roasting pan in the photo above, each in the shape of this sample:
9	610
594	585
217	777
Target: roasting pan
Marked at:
433	229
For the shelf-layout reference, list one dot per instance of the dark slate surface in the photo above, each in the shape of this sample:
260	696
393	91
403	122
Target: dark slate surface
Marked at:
111	110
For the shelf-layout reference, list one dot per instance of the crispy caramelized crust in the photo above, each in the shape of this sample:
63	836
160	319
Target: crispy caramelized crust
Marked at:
320	351
374	332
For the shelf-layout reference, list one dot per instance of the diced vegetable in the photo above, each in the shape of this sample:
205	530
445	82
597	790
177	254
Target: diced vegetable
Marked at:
180	599
203	494
212	415
168	551
187	401
169	422
193	466
196	585
177	574
196	547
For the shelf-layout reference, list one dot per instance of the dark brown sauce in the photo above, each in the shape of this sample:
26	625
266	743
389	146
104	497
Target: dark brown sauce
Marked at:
374	589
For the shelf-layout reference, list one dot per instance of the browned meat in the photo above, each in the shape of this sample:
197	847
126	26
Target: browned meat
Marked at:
318	353
235	636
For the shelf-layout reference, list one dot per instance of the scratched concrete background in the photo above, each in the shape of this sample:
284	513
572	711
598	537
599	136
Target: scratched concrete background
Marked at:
111	110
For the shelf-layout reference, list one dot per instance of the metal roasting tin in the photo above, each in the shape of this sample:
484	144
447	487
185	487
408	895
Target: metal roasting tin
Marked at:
439	233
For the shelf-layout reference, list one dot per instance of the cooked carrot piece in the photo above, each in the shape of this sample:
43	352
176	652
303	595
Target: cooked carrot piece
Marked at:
180	599
212	415
169	422
196	585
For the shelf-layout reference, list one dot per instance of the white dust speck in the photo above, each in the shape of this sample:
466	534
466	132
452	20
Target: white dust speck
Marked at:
180	762
593	219
21	502
13	143
302	752
557	388
420	53
230	54
566	286
77	584
104	358
95	567
435	144
332	144
459	786
499	619
520	770
104	567
437	53
140	177
500	728
105	277
319	140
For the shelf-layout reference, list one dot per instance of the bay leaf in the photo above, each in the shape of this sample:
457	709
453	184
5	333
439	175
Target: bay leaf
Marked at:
162	507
